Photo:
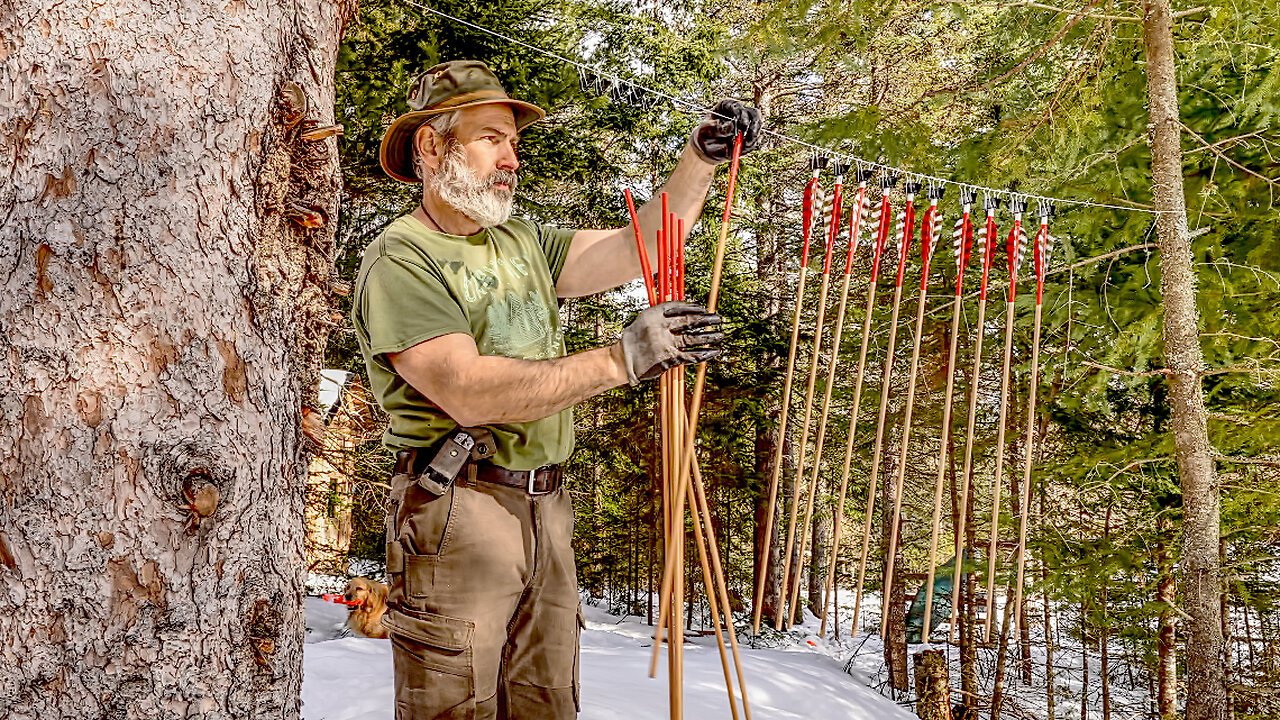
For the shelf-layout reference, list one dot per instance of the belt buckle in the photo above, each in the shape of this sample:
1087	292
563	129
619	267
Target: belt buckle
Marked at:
533	477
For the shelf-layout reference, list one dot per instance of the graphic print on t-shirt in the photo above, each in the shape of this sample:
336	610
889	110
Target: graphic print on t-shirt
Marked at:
520	328
518	320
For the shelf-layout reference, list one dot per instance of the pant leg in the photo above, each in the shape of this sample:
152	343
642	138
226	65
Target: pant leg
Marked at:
540	673
468	556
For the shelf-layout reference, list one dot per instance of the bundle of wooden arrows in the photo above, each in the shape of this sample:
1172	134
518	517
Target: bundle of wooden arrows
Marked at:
872	219
678	427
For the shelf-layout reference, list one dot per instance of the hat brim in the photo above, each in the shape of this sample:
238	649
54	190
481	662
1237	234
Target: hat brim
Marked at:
396	155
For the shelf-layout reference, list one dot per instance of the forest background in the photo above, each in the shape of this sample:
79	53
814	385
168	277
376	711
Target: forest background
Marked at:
1021	96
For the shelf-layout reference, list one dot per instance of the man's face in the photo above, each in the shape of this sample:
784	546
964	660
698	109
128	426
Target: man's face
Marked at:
475	170
488	135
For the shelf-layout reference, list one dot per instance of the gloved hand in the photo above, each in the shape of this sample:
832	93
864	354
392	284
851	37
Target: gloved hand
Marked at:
667	335
713	138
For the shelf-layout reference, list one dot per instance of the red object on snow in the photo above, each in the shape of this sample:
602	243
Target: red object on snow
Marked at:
338	598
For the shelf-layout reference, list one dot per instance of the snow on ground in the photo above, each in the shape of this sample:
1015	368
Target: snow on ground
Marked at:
350	678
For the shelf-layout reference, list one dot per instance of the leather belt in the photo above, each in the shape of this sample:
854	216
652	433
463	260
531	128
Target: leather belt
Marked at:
412	461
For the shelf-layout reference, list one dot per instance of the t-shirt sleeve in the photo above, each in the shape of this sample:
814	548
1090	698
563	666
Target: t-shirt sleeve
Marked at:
555	244
403	303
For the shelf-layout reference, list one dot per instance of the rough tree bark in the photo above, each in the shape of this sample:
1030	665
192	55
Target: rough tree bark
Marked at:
160	330
817	562
1206	689
1166	641
933	689
895	642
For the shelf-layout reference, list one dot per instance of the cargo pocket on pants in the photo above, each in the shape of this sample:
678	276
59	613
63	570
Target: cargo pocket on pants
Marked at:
435	676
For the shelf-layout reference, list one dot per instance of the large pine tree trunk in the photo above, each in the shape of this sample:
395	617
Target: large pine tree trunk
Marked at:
160	330
1206	689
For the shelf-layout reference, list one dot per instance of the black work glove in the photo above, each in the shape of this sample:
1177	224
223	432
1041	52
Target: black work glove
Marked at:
713	138
667	335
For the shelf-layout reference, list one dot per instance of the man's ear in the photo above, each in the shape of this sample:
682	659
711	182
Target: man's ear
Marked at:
428	146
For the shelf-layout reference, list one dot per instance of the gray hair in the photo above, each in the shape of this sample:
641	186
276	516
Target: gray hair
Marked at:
443	124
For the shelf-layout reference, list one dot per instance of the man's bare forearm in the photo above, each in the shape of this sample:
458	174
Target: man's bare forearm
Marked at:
489	389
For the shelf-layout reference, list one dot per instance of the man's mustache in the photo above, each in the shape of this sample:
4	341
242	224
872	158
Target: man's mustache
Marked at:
506	177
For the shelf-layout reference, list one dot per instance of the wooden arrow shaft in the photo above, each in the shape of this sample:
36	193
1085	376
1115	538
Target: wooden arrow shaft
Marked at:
942	466
1027	463
717	573
763	561
885	381
714	607
997	480
820	438
976	375
804	442
848	456
682	455
902	461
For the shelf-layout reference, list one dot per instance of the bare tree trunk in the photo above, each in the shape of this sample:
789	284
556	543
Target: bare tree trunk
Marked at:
1048	621
817	562
933	690
1084	659
161	327
1104	635
1002	647
895	644
1206	689
1166	641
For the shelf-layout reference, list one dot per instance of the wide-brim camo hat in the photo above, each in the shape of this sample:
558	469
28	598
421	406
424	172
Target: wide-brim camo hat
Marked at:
445	87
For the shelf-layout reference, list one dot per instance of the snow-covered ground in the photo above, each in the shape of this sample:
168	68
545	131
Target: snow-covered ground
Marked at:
349	678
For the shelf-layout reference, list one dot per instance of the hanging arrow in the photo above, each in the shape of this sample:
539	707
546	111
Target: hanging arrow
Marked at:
1015	245
763	561
883	219
859	209
986	242
927	237
1042	247
962	240
808	405
858	205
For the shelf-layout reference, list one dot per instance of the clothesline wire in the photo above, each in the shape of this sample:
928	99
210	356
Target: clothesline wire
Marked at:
850	160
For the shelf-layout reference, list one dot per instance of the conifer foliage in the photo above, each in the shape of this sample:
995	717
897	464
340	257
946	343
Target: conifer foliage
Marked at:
1024	96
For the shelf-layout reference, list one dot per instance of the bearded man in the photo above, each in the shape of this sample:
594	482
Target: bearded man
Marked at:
456	314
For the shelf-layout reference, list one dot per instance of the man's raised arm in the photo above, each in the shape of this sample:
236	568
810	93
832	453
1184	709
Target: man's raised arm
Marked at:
602	259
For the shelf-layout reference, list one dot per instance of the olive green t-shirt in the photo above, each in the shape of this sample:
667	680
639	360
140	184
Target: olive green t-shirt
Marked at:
498	286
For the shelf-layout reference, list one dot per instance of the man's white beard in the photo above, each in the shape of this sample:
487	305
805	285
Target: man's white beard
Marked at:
459	186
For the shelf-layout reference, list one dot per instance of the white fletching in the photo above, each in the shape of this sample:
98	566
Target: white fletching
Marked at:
1022	246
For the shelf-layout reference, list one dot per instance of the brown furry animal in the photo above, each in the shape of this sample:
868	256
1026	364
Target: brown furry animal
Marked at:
368	602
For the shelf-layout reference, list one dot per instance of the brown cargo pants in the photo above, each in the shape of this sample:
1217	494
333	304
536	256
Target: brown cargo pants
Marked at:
483	614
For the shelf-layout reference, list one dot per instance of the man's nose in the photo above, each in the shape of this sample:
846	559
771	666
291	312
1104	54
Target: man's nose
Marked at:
508	160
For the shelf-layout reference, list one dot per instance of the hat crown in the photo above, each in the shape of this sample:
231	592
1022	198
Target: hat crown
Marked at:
452	79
